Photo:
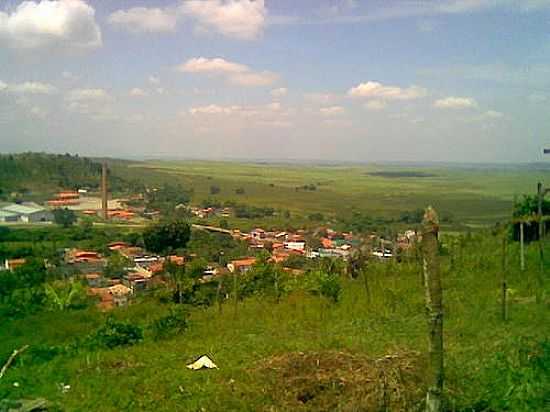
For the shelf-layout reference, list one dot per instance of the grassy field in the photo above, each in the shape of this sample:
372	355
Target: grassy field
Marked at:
477	195
152	375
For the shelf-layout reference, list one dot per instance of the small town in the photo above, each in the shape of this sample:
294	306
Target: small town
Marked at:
275	205
143	270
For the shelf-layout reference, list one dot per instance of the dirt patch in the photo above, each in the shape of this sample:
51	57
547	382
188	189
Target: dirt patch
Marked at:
343	381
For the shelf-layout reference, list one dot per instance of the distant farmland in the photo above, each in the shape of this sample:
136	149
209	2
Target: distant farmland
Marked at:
473	196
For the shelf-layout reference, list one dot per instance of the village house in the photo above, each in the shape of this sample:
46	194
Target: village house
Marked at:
85	261
12	264
93	280
241	265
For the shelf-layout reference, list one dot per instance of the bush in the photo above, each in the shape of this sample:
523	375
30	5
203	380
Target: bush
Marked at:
214	190
517	379
114	334
172	324
325	284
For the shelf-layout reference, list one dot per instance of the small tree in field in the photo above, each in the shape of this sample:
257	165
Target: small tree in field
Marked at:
167	236
64	217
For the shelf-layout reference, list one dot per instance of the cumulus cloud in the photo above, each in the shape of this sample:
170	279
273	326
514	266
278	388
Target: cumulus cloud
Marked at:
137	92
493	114
235	73
214	109
376	105
456	103
32	88
142	19
375	90
154	80
38	112
332	111
50	24
3	86
280	92
212	66
321	98
78	95
241	19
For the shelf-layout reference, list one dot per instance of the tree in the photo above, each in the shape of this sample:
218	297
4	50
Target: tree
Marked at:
64	217
61	297
167	236
116	265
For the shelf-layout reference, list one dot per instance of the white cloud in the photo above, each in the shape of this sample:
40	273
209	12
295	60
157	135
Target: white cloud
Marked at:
69	76
50	23
212	66
456	103
321	98
137	92
252	79
154	80
241	19
88	94
492	114
332	111
32	88
39	112
235	73
375	105
535	97
142	19
214	109
280	92
3	86
375	90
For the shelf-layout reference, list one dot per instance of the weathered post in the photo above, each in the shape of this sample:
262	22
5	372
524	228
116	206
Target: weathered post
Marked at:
236	291
434	309
504	276
521	246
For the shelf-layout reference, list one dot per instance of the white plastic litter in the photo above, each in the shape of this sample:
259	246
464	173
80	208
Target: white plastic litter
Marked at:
204	362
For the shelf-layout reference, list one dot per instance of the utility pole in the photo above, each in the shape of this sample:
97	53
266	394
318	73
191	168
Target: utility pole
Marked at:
104	201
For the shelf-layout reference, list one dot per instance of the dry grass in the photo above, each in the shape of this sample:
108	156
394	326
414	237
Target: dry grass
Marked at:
343	381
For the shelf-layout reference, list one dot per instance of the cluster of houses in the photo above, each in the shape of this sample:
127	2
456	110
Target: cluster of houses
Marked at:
206	212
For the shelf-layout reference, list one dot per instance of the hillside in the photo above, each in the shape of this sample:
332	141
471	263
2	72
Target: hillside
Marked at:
37	173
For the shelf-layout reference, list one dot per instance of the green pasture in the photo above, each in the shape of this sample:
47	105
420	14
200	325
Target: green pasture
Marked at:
472	195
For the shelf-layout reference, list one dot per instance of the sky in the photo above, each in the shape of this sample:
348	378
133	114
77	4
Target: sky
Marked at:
339	80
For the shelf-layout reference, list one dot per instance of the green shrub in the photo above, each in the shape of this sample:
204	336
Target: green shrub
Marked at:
113	334
170	325
517	379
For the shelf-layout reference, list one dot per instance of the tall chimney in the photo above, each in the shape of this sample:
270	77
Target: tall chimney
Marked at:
104	203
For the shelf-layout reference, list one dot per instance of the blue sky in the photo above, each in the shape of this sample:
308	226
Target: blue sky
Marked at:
394	80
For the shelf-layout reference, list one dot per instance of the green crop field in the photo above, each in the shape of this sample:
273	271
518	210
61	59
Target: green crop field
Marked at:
476	195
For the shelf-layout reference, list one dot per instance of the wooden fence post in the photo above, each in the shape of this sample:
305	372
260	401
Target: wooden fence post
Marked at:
522	246
504	276
434	309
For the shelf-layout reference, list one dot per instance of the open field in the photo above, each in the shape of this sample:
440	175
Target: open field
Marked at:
152	375
475	195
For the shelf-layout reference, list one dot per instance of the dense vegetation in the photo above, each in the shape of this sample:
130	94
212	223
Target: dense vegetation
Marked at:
27	172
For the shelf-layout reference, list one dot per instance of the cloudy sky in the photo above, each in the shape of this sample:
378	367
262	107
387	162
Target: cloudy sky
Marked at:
356	80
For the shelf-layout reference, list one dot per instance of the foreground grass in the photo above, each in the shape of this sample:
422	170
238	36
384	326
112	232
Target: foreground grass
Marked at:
152	375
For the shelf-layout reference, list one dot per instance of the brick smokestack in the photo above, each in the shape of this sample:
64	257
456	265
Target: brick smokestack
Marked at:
104	203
